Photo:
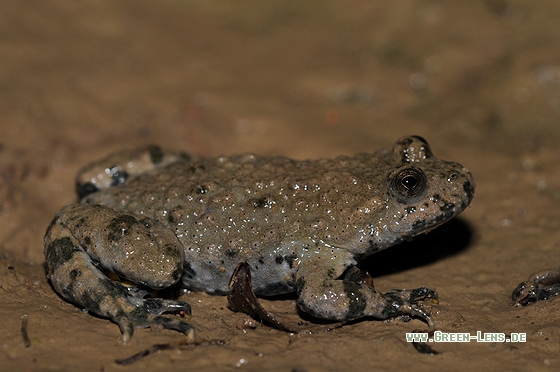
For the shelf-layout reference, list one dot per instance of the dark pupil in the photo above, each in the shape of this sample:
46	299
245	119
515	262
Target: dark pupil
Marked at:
409	182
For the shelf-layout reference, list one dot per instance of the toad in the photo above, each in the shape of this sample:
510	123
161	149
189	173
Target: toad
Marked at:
147	220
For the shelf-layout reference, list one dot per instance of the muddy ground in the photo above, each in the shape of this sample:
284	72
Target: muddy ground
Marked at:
480	80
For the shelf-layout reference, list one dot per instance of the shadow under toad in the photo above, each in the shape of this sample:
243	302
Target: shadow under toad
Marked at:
447	240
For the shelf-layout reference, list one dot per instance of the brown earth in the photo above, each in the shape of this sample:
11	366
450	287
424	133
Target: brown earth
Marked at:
480	80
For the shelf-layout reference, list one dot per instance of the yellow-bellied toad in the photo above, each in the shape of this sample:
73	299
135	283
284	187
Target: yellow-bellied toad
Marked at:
150	219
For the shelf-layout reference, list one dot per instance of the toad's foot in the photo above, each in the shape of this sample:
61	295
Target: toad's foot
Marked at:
148	313
540	286
404	302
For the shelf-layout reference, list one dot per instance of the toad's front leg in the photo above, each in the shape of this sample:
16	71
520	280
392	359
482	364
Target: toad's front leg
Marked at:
324	296
84	242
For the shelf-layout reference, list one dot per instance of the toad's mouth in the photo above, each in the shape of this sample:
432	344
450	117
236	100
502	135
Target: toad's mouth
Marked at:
448	211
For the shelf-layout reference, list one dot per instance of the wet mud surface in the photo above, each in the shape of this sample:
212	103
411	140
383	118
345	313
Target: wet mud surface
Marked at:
480	81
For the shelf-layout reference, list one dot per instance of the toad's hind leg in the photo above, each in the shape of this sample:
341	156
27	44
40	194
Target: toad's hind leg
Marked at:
76	277
119	167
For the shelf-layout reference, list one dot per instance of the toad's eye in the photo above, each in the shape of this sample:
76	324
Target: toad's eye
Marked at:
409	184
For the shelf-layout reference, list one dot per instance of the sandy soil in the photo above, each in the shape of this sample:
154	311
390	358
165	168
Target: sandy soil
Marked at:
480	80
